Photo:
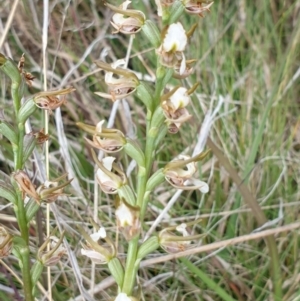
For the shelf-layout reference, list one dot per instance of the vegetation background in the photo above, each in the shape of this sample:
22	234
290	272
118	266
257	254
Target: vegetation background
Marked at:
248	54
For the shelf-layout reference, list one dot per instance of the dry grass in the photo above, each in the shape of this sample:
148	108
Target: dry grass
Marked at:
249	55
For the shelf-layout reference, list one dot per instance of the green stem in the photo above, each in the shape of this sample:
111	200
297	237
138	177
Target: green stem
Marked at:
21	217
130	272
131	268
19	158
27	283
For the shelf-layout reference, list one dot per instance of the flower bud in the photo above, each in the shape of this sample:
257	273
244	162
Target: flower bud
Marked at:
121	86
25	185
127	21
52	257
128	220
5	242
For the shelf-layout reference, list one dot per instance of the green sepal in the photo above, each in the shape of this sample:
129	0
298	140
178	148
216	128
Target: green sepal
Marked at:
175	12
9	132
18	245
147	247
152	33
28	147
158	118
145	94
26	110
133	150
7	192
8	66
163	76
117	270
31	208
168	76
157	178
36	272
163	130
126	192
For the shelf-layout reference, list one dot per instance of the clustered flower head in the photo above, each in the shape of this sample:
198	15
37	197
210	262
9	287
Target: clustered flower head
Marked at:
166	107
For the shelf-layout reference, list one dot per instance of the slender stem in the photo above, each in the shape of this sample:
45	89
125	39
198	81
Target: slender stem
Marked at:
20	208
27	283
21	134
131	268
130	274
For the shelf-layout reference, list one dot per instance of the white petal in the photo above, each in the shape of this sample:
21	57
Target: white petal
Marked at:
94	256
175	39
182	65
202	186
159	7
124	215
107	162
102	177
125	4
118	63
100	234
99	126
180	99
182	229
122	297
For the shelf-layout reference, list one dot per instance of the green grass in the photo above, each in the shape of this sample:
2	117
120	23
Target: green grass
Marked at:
248	53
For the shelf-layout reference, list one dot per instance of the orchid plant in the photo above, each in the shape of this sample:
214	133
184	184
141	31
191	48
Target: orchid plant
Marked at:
18	187
167	110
